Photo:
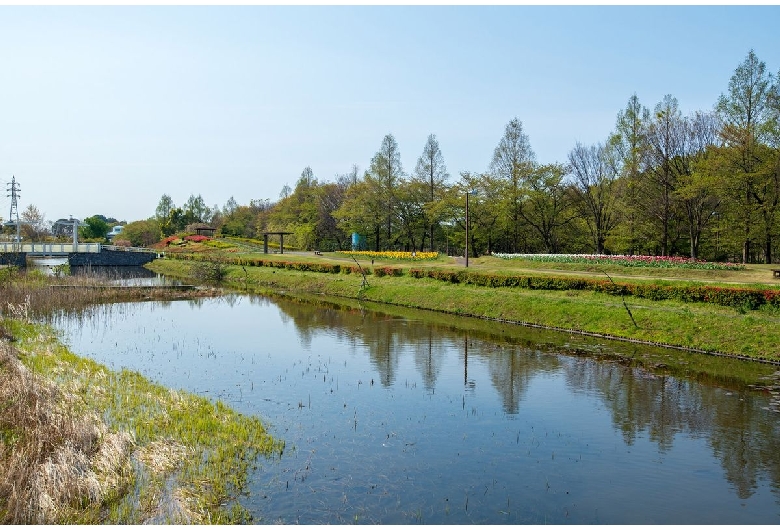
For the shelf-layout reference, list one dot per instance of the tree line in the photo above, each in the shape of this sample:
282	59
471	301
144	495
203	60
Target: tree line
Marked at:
704	185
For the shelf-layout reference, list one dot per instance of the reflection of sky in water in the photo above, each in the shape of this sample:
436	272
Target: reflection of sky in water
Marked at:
46	265
390	420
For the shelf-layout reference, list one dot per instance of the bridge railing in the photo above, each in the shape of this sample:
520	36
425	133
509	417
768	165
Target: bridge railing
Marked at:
49	248
128	249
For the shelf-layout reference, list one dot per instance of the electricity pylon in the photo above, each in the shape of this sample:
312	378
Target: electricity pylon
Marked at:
13	189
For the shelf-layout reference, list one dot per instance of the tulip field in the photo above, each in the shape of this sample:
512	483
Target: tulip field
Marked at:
370	254
661	262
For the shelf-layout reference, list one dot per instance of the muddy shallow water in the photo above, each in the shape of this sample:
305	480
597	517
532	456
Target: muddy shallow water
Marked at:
410	418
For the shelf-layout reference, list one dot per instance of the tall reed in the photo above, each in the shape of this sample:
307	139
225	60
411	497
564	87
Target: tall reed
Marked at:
40	295
58	461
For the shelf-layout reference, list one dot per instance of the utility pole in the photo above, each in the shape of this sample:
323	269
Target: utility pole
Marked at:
13	190
467	228
472	192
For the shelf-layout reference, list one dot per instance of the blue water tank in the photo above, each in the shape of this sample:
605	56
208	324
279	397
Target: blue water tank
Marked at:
358	241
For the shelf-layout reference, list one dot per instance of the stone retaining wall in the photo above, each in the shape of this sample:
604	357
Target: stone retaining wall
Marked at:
17	259
110	258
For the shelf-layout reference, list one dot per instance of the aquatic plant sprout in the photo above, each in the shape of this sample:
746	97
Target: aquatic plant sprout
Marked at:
668	262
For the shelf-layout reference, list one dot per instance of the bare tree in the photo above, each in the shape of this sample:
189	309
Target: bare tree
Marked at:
666	138
593	187
33	224
694	187
349	179
330	197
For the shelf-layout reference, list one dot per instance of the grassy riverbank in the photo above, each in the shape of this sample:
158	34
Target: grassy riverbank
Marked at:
741	331
83	444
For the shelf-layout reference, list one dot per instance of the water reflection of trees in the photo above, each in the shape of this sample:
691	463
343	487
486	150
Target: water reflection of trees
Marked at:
639	401
429	356
744	437
387	338
511	370
385	344
743	434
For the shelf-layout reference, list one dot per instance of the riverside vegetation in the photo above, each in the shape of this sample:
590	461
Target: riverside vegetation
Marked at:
82	444
710	310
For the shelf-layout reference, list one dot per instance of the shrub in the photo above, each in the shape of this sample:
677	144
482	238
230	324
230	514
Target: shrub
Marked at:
736	297
211	271
387	271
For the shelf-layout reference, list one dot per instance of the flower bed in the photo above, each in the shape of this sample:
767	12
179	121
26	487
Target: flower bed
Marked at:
197	238
168	241
668	262
370	254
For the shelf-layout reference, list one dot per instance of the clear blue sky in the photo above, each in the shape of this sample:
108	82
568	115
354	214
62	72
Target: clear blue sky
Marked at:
104	109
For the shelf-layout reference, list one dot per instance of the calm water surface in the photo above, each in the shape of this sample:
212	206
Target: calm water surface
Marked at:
391	419
129	276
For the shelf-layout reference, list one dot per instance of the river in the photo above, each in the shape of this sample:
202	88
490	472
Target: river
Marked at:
401	417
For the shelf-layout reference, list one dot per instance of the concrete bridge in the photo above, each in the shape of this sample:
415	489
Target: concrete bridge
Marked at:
78	254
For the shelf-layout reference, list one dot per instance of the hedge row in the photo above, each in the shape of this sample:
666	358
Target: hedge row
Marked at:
332	268
388	271
738	297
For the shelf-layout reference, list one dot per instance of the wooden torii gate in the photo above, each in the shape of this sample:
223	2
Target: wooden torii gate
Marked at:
281	240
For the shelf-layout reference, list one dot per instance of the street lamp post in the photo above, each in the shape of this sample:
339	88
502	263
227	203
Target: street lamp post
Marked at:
467	228
471	192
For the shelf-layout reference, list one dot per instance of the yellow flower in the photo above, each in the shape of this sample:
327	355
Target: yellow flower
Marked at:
370	254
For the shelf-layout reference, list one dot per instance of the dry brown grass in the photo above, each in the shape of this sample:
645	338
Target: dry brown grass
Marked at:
172	503
56	462
27	294
60	462
43	297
